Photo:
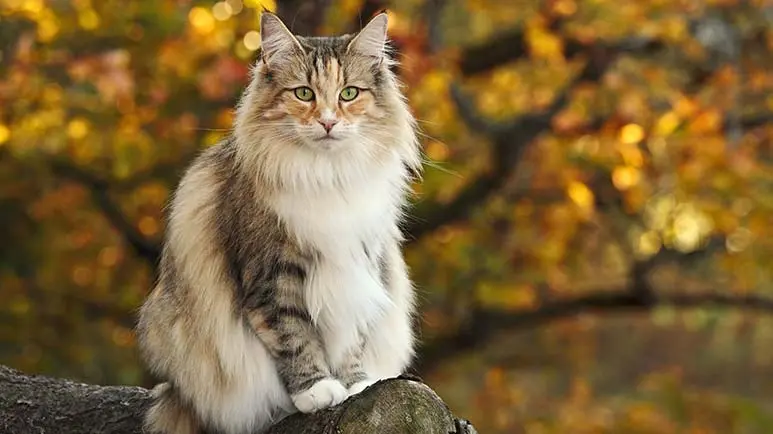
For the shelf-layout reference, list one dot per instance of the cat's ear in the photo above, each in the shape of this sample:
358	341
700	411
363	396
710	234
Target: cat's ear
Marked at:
275	38
371	40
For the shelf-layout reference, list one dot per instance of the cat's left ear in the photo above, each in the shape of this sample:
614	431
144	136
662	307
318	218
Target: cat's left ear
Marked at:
277	41
371	40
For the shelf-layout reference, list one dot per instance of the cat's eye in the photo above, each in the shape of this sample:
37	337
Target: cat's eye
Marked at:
349	93
304	93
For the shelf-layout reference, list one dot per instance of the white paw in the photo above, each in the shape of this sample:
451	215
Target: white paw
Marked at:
360	386
323	394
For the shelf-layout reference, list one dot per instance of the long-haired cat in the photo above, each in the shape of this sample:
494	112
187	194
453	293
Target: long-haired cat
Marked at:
282	286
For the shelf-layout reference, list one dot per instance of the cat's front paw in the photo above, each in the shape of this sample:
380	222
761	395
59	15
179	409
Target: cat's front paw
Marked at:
323	394
360	386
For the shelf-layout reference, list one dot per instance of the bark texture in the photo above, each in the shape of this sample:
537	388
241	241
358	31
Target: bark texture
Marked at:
43	405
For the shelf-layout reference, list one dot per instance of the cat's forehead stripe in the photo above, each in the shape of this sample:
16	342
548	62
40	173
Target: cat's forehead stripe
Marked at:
333	69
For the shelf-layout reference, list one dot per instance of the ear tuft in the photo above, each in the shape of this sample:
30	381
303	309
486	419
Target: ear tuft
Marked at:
275	38
371	40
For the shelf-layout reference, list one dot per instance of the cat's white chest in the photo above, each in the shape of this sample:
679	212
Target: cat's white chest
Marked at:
344	292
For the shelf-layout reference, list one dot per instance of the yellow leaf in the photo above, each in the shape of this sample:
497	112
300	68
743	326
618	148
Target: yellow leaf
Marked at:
201	20
77	128
648	243
543	44
667	124
565	7
5	134
436	82
685	107
625	177
675	29
580	195
632	155
631	134
88	19
270	5
48	27
397	24
707	122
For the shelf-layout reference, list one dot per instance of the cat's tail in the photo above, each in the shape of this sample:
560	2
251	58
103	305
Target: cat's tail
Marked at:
168	414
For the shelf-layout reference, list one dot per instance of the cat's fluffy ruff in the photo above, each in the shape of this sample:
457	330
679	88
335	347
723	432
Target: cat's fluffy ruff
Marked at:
268	208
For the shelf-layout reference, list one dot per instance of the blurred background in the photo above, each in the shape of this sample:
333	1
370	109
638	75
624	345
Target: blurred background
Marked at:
592	239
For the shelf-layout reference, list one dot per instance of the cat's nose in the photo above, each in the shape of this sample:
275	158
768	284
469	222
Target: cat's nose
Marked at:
328	125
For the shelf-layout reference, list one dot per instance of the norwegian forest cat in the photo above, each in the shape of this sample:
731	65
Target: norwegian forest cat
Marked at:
282	286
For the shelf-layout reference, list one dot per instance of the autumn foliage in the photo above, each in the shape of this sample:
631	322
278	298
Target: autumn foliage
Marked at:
592	237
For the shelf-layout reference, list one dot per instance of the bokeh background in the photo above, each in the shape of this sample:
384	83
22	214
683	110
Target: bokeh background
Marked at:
592	238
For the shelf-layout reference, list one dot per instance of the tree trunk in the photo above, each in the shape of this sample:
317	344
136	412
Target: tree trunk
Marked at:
43	405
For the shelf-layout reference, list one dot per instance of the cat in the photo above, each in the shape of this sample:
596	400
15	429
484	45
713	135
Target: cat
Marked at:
282	285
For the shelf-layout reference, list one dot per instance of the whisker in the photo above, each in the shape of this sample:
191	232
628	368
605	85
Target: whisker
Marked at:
437	166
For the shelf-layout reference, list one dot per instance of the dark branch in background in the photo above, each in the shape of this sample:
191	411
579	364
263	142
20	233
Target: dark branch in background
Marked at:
489	323
749	122
509	141
99	189
503	48
303	17
637	294
511	46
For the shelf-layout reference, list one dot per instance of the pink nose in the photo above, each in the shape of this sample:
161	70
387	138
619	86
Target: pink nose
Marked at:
328	125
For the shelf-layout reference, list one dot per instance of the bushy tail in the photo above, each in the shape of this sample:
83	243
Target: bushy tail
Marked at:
168	414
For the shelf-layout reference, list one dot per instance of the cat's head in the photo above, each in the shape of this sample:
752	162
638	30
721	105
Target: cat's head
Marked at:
330	101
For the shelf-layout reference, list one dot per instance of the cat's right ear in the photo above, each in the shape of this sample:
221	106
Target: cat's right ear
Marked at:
276	39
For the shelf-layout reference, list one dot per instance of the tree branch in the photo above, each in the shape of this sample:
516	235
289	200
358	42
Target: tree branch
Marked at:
750	122
636	295
47	405
488	323
510	140
98	188
512	46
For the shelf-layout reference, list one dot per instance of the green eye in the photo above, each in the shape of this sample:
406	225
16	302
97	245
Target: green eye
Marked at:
349	93
304	93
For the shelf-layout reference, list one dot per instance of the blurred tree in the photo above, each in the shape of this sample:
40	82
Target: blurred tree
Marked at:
582	156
